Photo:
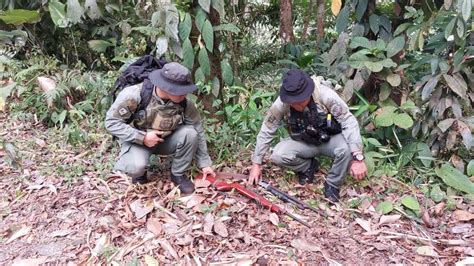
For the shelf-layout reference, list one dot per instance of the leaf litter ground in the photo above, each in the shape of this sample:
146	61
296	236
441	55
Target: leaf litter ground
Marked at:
63	205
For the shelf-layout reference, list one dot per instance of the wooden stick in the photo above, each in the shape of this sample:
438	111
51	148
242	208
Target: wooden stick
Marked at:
448	242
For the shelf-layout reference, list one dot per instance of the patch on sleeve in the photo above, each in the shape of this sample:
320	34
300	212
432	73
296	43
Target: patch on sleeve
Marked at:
271	119
123	111
337	109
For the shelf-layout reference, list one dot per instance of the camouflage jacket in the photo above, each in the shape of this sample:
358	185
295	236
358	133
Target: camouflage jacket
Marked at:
328	101
159	115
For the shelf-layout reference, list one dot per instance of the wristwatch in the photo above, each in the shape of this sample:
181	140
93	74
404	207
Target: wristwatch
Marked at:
358	157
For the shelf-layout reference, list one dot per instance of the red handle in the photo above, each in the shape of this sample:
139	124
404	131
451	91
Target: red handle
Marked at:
228	186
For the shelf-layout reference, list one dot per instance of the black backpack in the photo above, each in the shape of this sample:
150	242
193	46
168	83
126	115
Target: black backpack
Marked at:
137	73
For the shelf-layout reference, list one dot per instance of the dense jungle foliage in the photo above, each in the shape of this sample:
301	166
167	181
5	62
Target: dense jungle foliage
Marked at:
404	66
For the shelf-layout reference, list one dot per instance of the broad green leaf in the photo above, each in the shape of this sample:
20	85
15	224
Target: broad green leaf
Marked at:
401	28
19	16
434	62
449	28
227	27
380	44
388	63
199	75
470	168
424	154
188	54
208	35
436	194
403	120
360	41
336	7
185	27
394	79
374	142
158	18
205	4
411	203
219	5
227	74
395	46
374	66
99	46
203	59
384	207
385	23
216	86
358	59
460	28
457	84
385	117
342	19
5	93
360	9
172	22
455	179
201	17
466	9
385	91
429	87
369	161
161	46
374	21
74	11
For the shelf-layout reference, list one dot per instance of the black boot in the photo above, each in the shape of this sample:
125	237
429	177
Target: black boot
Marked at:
185	185
307	177
141	180
331	193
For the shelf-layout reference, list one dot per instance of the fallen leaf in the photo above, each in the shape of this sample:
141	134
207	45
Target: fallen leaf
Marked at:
167	246
51	187
61	233
46	84
200	183
208	223
439	208
388	219
29	262
220	228
154	225
273	218
141	210
462	216
460	228
21	232
40	142
150	261
194	200
466	261
427	219
304	245
427	251
364	224
100	245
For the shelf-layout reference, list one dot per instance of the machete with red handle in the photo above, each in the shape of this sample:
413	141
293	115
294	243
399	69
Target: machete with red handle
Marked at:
221	185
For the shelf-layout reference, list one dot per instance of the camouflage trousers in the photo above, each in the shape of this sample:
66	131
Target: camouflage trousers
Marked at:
297	156
183	142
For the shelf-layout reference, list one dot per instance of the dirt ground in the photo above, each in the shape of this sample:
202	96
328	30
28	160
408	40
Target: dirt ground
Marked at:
61	205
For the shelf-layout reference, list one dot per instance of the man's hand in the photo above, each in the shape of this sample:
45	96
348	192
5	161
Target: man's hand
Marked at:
255	174
152	139
358	170
208	171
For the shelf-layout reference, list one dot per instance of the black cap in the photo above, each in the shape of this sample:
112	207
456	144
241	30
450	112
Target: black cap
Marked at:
173	78
296	86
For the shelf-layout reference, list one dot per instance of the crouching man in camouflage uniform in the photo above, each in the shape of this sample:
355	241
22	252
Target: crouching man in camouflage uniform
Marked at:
170	124
320	123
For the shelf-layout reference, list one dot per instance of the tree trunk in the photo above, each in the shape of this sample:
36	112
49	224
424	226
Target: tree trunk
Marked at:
307	20
320	21
286	22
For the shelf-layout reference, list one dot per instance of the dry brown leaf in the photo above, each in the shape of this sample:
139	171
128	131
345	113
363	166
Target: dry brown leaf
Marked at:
220	228
194	200
29	262
364	224
61	233
427	251
141	210
21	232
170	228
200	183
100	245
46	84
40	142
51	187
154	225
304	245
150	261
427	219
439	208
273	218
169	248
336	6
462	216
208	223
388	219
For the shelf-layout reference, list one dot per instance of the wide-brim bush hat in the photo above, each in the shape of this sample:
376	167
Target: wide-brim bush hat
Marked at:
296	86
173	78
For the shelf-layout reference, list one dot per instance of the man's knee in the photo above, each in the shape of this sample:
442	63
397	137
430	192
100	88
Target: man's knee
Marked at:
281	157
190	135
343	153
132	168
